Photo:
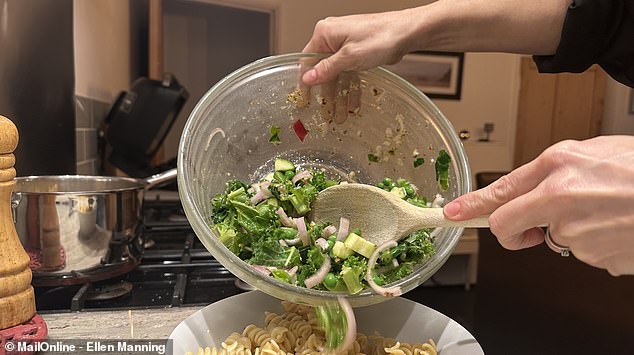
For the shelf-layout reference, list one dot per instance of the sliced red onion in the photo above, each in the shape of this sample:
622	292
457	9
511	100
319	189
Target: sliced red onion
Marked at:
344	224
294	241
282	243
286	221
260	196
302	233
320	275
322	243
301	176
383	291
292	271
328	231
212	134
261	192
351	333
262	269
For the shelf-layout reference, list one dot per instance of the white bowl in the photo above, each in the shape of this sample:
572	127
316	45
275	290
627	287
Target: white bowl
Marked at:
399	318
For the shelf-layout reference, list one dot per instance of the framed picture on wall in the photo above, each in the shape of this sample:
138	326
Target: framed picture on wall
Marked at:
437	74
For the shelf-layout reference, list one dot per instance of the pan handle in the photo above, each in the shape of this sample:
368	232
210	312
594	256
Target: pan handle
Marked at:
160	178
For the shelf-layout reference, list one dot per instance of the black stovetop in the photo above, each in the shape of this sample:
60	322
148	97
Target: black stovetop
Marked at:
175	270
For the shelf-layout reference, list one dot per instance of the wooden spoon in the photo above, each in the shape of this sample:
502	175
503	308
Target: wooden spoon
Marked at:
380	215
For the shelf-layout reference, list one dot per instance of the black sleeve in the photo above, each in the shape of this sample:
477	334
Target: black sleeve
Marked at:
595	31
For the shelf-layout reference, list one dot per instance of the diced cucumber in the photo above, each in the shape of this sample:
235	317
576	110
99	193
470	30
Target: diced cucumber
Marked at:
268	177
360	245
273	202
398	191
283	165
300	207
350	279
341	251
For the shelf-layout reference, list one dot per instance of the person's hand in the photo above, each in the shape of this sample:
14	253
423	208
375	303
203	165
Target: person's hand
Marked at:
584	191
357	42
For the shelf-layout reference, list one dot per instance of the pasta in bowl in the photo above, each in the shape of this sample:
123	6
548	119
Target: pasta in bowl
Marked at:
254	320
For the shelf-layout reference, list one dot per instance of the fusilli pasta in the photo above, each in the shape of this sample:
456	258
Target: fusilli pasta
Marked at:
296	332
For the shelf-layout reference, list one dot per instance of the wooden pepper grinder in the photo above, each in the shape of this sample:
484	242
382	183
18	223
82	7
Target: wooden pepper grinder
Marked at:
17	300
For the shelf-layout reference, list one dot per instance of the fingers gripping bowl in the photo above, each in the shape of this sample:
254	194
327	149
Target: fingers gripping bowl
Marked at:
227	136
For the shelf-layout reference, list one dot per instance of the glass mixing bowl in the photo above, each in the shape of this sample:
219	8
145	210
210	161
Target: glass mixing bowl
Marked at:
227	137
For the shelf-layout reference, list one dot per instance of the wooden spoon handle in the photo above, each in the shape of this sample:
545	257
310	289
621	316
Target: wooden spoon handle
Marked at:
434	217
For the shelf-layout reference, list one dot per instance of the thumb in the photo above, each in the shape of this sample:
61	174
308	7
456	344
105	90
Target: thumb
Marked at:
326	70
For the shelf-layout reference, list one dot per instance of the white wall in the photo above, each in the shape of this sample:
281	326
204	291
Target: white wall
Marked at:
616	116
489	94
102	48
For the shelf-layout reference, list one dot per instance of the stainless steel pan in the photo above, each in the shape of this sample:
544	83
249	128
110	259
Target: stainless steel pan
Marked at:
79	229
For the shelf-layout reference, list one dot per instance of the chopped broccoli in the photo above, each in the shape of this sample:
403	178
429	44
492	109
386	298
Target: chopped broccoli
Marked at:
316	231
395	274
302	197
320	181
285	233
418	161
415	247
352	273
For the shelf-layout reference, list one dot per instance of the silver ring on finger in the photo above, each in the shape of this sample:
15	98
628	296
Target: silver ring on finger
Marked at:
554	246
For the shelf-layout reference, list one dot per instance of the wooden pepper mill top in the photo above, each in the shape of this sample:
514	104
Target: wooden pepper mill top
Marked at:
17	300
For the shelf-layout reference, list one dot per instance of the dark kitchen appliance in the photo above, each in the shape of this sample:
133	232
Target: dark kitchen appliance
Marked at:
175	270
138	122
38	83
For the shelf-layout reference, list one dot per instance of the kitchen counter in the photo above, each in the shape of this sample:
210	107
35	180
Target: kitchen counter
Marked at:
156	323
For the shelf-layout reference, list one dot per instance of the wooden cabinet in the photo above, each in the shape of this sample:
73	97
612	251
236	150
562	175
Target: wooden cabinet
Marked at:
555	107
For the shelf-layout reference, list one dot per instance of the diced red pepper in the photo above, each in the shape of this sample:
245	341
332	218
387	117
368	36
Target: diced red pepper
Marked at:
300	130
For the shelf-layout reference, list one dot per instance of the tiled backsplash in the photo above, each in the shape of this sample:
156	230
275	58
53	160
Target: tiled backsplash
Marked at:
89	114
